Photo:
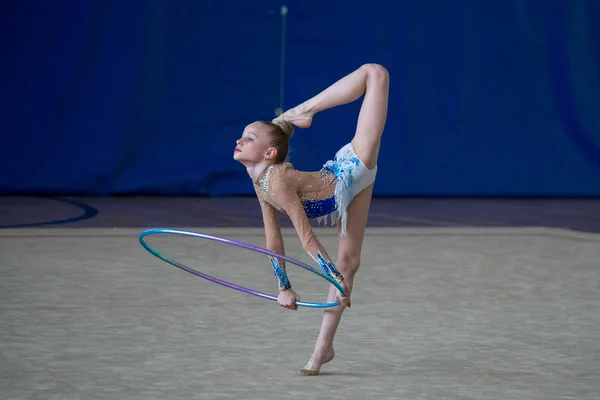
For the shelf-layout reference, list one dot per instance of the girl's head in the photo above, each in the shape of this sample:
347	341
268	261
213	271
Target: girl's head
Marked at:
263	140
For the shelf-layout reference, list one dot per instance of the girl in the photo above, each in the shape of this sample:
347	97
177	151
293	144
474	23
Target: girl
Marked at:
341	190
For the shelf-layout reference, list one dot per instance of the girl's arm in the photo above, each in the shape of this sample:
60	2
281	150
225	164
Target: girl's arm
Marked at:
274	242
284	193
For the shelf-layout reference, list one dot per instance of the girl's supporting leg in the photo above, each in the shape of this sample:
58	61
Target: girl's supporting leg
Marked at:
372	80
348	262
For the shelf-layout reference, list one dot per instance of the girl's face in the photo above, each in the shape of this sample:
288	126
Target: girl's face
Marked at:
254	146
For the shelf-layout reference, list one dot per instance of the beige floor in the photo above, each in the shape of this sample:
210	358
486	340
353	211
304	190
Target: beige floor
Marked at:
452	313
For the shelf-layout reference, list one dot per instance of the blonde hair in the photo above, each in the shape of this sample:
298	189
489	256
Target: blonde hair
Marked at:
280	133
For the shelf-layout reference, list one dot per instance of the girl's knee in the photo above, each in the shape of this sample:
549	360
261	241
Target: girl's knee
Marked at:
348	264
377	72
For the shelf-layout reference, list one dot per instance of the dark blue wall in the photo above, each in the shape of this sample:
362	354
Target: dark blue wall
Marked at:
148	96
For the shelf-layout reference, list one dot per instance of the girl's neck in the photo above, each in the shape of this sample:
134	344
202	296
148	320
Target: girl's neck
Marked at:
257	171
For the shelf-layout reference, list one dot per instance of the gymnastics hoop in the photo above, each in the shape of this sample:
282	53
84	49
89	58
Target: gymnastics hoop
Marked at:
237	244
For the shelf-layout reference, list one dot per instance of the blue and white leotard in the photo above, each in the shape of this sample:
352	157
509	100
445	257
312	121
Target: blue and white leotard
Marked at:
329	192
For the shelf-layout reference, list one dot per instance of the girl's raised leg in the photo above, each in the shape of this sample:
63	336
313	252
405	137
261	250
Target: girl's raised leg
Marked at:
372	80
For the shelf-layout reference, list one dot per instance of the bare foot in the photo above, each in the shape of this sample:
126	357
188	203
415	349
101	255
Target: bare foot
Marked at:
312	368
329	356
294	117
303	122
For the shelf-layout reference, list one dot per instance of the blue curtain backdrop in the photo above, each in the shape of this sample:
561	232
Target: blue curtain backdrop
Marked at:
147	96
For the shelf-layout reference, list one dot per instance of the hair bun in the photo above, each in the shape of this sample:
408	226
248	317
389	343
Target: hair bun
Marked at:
286	127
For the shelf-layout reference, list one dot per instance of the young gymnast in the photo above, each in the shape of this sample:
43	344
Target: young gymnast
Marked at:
341	190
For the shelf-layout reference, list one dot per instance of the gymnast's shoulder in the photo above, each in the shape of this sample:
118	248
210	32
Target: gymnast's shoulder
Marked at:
284	176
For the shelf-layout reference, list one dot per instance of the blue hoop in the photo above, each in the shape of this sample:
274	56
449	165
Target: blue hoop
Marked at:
238	244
